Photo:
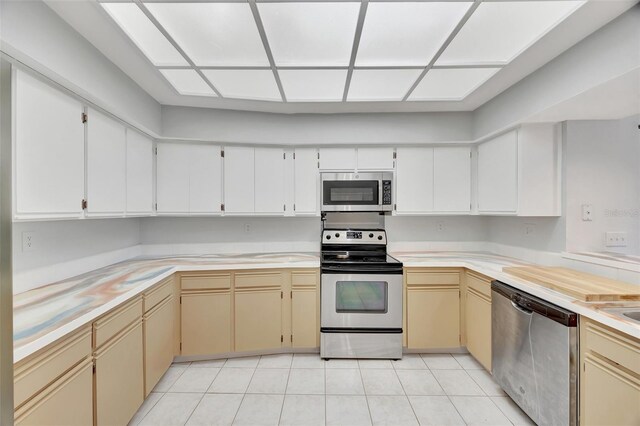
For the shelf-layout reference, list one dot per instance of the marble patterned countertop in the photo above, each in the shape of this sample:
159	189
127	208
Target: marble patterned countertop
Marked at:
44	314
47	313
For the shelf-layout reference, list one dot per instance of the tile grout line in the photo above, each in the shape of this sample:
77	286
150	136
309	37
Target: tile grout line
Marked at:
204	393
405	391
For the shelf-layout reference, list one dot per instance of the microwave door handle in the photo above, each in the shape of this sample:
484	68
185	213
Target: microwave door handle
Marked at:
380	186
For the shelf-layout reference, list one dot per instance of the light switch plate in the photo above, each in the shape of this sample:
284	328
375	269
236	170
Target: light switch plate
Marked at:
587	212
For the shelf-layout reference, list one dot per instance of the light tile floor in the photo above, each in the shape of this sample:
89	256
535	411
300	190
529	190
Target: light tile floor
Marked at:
302	389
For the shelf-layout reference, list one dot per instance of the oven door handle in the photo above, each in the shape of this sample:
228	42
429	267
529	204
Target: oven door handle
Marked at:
355	270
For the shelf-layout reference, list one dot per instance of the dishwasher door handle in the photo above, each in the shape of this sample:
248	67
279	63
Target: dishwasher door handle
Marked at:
521	309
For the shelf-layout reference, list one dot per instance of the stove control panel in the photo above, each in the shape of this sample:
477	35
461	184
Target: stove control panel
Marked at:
349	236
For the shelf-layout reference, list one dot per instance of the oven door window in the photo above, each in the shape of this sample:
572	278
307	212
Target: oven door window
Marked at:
362	297
364	192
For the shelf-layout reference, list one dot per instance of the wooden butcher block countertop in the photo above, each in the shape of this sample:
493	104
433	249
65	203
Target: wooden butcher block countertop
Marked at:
582	286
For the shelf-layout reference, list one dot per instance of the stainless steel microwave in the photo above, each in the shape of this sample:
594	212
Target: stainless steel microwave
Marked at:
356	192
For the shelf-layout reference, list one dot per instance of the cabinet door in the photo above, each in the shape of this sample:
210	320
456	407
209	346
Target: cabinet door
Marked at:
269	180
305	327
375	158
433	317
452	179
338	159
239	180
49	150
67	401
258	291
172	171
414	180
478	327
498	174
139	173
106	165
158	343
306	181
119	378
205	179
611	395
206	323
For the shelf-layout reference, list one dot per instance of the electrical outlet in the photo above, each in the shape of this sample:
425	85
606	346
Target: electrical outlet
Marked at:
28	241
247	228
529	229
615	239
587	212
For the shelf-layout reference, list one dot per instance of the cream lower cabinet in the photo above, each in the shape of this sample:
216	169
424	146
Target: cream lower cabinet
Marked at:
205	313
119	364
478	318
258	310
158	342
55	385
609	376
305	309
67	401
432	308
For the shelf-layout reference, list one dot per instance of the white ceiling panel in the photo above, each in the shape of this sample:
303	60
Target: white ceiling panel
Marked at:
499	31
450	84
213	34
406	33
381	85
310	34
188	82
144	34
245	84
313	85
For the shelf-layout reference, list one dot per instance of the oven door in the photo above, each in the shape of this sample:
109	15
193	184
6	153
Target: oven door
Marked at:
361	301
352	192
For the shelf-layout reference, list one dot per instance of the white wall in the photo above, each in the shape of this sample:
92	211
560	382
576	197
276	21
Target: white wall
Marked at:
301	129
603	169
70	247
608	53
38	37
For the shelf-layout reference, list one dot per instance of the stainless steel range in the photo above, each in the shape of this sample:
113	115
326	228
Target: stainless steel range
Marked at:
361	296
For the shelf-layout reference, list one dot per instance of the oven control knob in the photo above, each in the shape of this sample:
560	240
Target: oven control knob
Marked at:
371	235
337	235
379	237
328	237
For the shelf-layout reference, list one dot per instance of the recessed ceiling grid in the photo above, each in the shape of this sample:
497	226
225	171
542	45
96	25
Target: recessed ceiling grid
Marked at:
334	50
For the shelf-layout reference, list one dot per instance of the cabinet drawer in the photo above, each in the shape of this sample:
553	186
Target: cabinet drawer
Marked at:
68	401
157	294
304	279
480	284
205	282
35	373
615	346
258	279
114	322
433	278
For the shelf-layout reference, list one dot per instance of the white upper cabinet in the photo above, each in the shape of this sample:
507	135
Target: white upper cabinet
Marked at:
172	178
205	179
375	159
414	180
539	174
339	159
452	179
306	181
239	180
106	166
139	174
188	179
269	180
498	174
49	151
518	172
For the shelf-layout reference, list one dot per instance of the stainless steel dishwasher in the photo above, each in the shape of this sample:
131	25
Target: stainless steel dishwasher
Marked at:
534	348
